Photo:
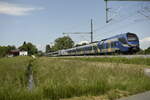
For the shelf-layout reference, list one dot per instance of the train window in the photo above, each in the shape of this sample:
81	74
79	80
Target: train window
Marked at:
94	47
132	37
102	46
107	46
86	48
123	40
116	43
91	48
112	44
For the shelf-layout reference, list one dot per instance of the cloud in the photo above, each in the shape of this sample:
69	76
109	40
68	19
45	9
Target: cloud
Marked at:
15	9
147	39
83	42
145	43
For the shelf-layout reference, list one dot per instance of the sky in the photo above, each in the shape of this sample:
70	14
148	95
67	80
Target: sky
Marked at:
42	21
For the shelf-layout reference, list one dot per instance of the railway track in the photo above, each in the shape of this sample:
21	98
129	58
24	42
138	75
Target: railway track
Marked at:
102	56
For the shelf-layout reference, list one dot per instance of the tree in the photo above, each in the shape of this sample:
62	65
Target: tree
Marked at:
48	48
4	50
77	45
11	48
40	53
63	43
29	47
147	51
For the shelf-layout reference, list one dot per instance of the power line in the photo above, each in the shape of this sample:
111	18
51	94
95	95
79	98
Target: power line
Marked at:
148	17
110	24
113	22
118	28
107	9
84	32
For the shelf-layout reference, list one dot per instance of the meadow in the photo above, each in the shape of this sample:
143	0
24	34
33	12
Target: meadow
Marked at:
14	79
72	78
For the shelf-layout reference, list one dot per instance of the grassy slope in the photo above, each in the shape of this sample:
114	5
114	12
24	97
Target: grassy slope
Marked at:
64	78
13	79
57	78
136	60
12	70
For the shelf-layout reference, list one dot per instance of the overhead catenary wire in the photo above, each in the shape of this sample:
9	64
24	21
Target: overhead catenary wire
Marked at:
114	21
106	27
148	17
107	8
110	24
105	34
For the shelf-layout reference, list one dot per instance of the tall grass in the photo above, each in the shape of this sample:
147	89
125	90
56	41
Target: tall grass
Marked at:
136	60
12	70
57	78
64	78
13	79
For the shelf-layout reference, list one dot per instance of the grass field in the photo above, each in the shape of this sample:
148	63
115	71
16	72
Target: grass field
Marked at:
13	79
136	60
73	78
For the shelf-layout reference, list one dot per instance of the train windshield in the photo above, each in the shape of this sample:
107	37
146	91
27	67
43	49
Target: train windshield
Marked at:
132	37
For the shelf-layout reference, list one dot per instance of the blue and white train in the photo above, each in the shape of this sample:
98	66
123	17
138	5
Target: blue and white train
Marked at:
124	43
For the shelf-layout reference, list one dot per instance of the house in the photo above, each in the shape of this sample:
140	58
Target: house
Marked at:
23	53
13	53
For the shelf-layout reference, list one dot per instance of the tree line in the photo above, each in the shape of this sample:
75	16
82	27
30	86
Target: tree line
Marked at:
5	50
146	51
60	44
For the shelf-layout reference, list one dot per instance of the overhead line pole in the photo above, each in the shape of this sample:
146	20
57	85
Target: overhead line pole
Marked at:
106	11
91	30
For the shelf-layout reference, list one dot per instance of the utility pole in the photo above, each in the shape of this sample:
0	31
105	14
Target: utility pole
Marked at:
106	11
91	30
91	33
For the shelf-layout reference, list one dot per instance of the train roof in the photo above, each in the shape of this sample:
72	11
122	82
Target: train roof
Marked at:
117	36
88	45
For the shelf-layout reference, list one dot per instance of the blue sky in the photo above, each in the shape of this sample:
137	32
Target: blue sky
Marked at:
42	21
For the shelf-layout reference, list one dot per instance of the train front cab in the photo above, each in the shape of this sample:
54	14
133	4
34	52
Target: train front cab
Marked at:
128	43
133	42
124	43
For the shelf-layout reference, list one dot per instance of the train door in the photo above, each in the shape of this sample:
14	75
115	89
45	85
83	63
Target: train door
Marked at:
95	49
109	50
101	47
